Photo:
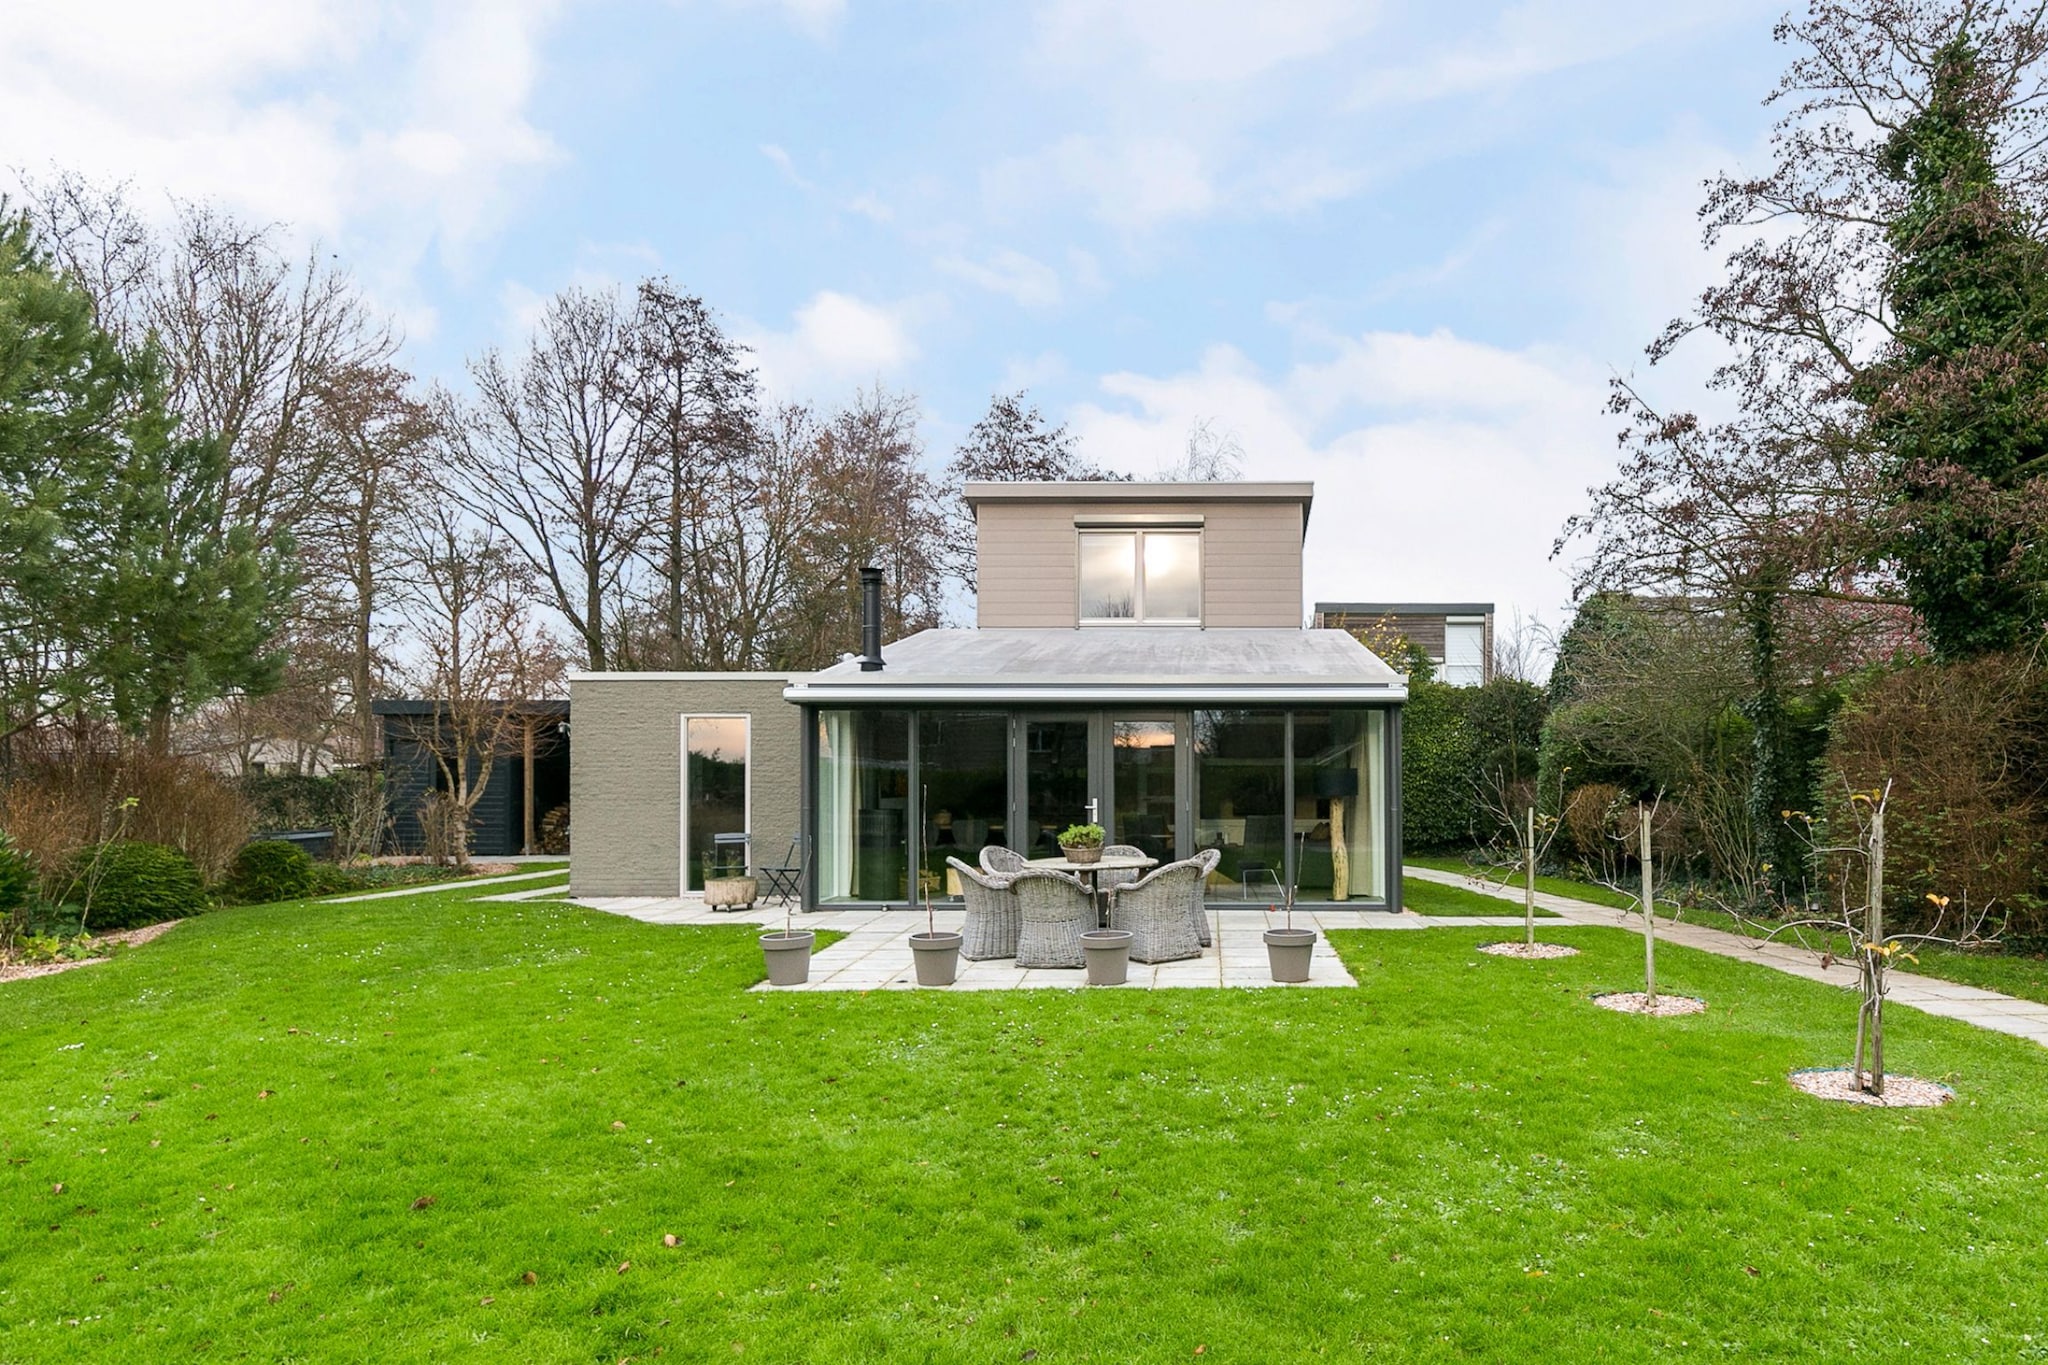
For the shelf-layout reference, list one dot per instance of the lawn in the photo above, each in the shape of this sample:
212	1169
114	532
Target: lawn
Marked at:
432	1128
1591	892
1434	898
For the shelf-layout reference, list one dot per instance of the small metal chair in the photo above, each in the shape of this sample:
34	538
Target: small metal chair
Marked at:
786	883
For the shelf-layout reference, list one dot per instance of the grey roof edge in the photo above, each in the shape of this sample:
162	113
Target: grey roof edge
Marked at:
1143	692
1408	608
1110	490
708	676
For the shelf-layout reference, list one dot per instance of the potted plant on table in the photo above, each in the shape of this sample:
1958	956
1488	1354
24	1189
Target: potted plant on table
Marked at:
1082	843
935	952
1288	949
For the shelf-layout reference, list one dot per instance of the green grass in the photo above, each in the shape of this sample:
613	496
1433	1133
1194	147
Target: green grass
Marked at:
1434	898
213	1148
2024	975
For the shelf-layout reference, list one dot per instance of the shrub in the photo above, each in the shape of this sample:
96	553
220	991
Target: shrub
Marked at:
1439	769
57	805
332	879
1963	746
17	877
128	883
271	870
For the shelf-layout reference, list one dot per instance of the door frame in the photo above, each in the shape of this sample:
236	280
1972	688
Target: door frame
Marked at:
683	813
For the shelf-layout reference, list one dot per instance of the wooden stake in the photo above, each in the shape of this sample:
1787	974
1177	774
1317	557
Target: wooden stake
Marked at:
1529	880
1649	915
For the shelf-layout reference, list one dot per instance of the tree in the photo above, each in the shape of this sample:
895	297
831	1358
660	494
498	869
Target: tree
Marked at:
480	655
1959	398
1212	455
1012	443
133	594
1802	496
552	455
695	400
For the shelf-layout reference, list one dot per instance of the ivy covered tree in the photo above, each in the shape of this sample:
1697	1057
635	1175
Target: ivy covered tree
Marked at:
1959	399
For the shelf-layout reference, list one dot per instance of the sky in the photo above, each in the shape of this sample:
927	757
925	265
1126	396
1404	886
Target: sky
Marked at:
1395	248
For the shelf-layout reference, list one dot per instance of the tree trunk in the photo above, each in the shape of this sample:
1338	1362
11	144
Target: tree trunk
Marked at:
1874	951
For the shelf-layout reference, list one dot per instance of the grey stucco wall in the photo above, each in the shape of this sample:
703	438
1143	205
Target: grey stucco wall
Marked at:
626	773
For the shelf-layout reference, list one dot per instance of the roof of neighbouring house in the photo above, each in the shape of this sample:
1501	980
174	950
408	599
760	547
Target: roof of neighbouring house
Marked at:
1404	608
1113	663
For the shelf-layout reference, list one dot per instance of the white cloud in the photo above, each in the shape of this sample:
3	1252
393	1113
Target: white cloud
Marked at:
1443	466
391	128
1198	40
833	341
1133	184
1025	280
817	18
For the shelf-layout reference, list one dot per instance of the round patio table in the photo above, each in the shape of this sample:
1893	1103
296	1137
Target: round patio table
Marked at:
1108	862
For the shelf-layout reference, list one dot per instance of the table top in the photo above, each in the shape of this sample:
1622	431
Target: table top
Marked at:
1108	862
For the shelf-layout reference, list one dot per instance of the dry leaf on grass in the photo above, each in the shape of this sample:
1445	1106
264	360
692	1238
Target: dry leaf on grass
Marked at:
425	1201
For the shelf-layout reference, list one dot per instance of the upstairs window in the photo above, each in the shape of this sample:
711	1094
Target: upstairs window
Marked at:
1151	577
1464	651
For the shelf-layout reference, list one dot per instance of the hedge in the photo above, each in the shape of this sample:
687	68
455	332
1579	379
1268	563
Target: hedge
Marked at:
132	884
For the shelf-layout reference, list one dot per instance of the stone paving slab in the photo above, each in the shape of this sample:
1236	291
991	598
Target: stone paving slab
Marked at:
1930	995
875	954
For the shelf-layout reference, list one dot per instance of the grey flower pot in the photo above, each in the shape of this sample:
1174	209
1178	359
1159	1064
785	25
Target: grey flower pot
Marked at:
1109	956
789	957
937	957
1288	952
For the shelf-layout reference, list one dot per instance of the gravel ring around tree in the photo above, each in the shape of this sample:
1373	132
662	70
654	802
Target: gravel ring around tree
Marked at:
1529	952
1900	1092
1636	1002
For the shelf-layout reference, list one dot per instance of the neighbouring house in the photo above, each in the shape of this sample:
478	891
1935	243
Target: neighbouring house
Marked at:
529	775
1457	636
1137	660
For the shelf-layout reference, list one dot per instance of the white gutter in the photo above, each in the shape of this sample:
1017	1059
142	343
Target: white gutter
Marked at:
1297	694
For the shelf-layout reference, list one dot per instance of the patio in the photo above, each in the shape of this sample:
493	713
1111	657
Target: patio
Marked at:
875	954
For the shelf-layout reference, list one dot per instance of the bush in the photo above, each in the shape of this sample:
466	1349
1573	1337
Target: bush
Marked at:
1439	769
349	802
17	877
128	883
271	870
332	879
1965	748
60	804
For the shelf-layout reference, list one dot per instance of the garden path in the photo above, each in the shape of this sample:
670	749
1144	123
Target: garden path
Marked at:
1930	995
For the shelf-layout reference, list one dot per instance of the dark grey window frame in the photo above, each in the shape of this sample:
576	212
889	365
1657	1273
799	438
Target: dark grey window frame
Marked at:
1101	775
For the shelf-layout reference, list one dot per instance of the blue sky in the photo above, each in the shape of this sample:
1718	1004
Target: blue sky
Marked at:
1397	248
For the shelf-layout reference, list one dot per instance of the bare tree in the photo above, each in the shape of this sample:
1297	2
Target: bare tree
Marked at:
1213	454
1012	443
694	397
481	655
552	454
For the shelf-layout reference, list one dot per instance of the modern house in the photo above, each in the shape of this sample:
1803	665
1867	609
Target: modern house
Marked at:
1457	636
1138	660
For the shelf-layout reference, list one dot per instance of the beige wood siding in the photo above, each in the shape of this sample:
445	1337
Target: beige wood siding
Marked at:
1026	556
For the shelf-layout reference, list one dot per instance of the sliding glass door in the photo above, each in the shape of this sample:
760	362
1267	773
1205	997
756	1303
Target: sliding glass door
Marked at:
1145	785
1058	786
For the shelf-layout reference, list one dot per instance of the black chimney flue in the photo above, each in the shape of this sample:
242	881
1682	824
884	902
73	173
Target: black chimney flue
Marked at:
870	620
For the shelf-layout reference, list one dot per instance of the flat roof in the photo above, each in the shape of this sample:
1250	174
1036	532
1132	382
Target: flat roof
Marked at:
1178	665
1408	608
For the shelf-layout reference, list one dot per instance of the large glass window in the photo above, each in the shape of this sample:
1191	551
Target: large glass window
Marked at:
963	767
714	797
1241	800
1141	576
1055	783
863	805
1339	804
1142	777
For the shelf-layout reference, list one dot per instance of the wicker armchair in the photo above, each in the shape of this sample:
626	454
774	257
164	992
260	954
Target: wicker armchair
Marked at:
1054	909
991	928
1111	878
1155	909
1205	862
998	861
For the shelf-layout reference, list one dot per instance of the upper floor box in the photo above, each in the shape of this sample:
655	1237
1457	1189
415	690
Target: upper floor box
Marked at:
1067	555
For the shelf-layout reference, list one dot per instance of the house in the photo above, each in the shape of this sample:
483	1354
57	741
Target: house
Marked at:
529	779
1137	660
1457	636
